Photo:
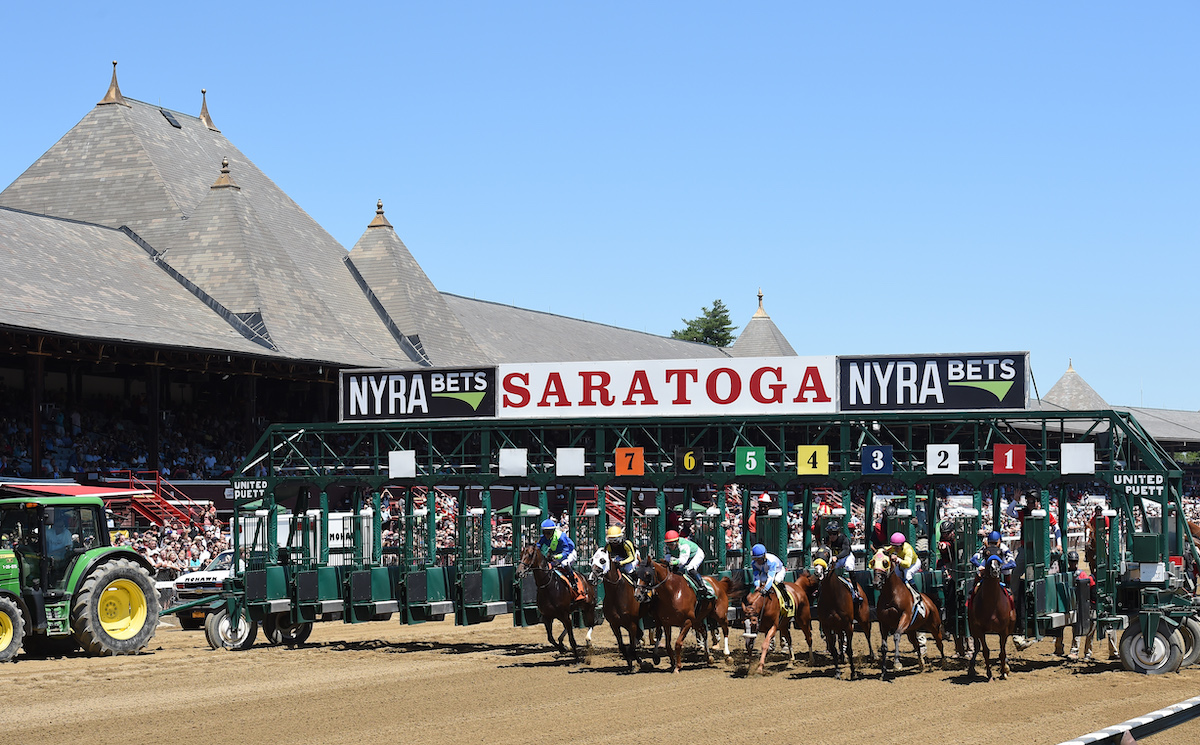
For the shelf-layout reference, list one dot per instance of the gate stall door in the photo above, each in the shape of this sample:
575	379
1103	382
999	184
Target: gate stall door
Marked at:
707	533
526	532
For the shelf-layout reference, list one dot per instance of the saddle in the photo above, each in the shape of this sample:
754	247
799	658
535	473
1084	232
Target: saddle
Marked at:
787	607
918	602
580	585
704	592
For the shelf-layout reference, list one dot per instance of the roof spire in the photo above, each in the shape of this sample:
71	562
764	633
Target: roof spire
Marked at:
1070	365
114	91
224	181
760	313
380	221
205	119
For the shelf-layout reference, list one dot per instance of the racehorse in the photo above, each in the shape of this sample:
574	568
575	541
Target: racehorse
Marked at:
762	612
840	616
896	614
621	608
556	598
991	611
673	604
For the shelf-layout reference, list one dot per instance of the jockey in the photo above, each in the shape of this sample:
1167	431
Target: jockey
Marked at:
901	551
839	548
620	549
994	546
767	569
558	548
685	556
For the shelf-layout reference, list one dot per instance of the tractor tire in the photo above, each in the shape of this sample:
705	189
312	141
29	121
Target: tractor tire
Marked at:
220	634
115	610
279	629
12	629
1165	654
1190	631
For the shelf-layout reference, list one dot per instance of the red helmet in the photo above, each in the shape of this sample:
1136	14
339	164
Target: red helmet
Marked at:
671	536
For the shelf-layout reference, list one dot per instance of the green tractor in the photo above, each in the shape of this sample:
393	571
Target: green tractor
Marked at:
64	586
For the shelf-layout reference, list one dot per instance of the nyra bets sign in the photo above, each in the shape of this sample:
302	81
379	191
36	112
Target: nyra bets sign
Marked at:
741	387
954	382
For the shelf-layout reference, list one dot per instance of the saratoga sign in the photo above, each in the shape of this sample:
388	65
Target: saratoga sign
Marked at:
741	387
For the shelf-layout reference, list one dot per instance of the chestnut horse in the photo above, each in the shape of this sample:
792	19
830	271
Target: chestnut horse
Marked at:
673	605
896	614
556	599
840	616
991	611
621	608
763	613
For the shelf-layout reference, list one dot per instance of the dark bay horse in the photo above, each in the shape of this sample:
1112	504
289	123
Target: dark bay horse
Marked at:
840	615
556	599
991	611
896	614
673	604
763	614
621	608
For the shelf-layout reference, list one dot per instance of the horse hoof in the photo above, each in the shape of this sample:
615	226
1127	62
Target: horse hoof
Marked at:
896	666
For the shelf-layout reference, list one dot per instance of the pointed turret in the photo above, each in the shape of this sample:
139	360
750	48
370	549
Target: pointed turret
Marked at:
114	91
761	337
1074	394
406	301
205	119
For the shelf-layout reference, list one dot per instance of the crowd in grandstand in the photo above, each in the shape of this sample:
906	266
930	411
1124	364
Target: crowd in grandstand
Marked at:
175	548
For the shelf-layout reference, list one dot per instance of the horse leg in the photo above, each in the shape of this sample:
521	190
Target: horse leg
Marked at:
766	645
683	631
883	653
987	655
850	649
617	633
570	631
974	654
670	657
786	632
915	639
1003	657
549	622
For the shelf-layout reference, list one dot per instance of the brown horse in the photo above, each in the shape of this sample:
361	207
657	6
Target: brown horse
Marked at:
556	599
621	608
673	604
991	611
763	613
896	614
840	616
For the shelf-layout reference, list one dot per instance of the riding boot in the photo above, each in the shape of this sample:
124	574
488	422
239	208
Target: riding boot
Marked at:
701	589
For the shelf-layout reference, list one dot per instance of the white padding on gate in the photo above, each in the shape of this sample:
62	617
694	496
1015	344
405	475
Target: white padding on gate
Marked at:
1078	457
402	464
514	462
568	462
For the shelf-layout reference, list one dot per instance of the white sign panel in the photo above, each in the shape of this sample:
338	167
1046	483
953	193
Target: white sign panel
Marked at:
1078	457
514	462
721	387
568	462
402	464
941	459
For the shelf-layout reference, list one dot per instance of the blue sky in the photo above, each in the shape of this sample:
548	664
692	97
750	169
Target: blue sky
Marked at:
897	177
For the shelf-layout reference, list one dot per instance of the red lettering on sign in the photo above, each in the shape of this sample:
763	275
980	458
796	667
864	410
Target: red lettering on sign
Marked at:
811	384
735	386
590	386
681	376
640	386
776	388
521	392
554	387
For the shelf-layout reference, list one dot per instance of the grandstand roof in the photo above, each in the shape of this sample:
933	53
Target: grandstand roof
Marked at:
219	258
761	337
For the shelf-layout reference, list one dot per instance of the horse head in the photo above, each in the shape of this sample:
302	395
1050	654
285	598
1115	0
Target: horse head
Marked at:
881	564
600	564
820	569
993	565
646	580
530	558
752	606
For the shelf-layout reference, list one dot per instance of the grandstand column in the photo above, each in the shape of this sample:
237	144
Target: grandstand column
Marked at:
35	379
660	522
806	506
153	396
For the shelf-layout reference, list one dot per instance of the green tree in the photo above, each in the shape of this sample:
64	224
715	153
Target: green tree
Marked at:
711	327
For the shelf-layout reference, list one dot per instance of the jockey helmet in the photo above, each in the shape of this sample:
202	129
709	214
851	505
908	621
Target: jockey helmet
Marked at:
890	510
549	524
897	539
1072	556
833	526
614	535
758	551
993	537
821	563
671	536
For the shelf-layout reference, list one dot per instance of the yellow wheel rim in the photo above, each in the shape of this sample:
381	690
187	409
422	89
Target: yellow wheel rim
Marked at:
122	609
6	631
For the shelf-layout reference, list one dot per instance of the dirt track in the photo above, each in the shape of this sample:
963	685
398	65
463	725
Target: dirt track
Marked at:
382	682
